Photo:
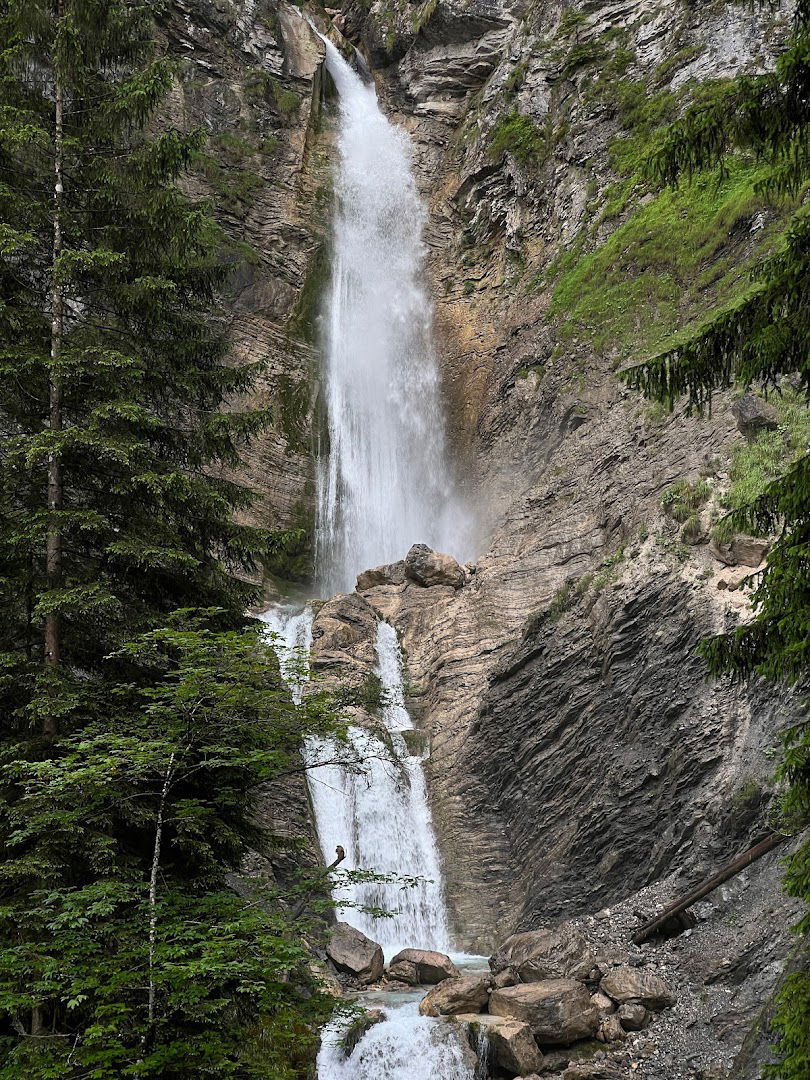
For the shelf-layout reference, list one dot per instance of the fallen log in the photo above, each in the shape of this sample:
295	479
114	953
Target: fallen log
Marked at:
750	856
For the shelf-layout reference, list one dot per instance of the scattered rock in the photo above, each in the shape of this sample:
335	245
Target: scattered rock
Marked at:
603	1003
428	567
466	994
403	972
389	574
754	415
561	953
431	967
511	1042
352	952
557	1010
611	1030
507	977
631	984
632	1015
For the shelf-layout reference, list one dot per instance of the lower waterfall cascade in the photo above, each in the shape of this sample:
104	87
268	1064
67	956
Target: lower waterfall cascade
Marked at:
379	813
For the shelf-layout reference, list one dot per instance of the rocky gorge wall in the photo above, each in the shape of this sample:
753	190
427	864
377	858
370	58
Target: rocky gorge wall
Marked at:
577	752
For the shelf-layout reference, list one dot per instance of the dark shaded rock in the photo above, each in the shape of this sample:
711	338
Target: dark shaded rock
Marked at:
557	1011
467	994
352	952
428	567
633	984
431	967
559	953
632	1016
754	415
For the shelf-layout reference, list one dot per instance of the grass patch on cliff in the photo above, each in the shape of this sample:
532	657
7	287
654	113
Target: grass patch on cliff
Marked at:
766	457
520	136
681	254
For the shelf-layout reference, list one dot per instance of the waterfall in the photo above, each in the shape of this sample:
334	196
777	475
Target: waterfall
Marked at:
381	816
291	628
384	482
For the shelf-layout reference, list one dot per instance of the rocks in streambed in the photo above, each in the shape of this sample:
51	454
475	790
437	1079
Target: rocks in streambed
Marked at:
511	1042
422	966
559	1011
427	567
558	953
355	954
466	994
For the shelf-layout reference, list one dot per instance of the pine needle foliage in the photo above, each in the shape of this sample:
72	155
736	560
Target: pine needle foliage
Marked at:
140	712
763	339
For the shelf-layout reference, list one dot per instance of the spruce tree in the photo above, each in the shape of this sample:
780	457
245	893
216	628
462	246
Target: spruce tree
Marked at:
111	375
762	340
140	713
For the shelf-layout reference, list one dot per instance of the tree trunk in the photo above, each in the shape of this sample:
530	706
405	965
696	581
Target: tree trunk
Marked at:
53	546
153	893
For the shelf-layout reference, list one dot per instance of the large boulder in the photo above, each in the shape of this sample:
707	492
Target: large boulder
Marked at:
404	972
559	953
428	567
632	984
559	1011
355	954
741	550
390	574
511	1043
754	415
431	967
466	994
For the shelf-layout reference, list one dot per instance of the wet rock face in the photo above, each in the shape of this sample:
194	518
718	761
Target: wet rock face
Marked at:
558	1011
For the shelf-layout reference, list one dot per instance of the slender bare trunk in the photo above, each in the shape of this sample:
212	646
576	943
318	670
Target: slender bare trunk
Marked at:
153	890
53	546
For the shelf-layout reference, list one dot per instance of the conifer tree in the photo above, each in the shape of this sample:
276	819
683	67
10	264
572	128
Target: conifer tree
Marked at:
111	376
763	339
139	711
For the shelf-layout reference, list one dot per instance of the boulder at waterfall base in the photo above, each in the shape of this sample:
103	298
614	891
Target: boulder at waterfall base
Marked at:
466	994
511	1043
428	567
631	984
389	574
431	967
355	954
559	953
559	1011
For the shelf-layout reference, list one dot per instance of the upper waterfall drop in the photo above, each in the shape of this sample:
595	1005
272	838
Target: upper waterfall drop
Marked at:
384	481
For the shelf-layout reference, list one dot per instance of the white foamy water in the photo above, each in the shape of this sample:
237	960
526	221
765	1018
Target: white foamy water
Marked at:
292	630
380	815
384	481
406	1047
